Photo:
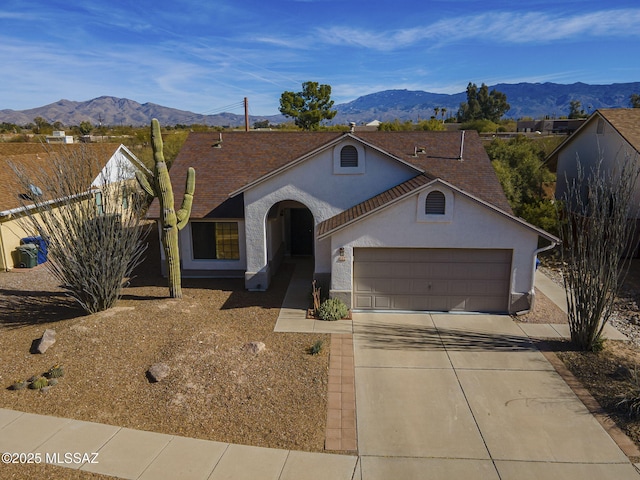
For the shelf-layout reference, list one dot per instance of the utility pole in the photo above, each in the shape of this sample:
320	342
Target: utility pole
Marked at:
246	114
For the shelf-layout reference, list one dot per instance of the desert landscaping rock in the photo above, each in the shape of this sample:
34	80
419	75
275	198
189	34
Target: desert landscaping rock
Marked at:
158	372
255	347
47	340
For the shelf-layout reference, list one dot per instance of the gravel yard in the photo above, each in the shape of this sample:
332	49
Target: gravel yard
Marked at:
217	389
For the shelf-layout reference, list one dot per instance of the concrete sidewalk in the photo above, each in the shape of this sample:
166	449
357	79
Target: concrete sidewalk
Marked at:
135	454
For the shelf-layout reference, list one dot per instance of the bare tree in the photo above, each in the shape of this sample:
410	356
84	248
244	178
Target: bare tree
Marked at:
90	217
597	228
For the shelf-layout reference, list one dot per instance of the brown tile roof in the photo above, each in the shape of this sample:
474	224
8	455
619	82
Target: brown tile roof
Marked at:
473	174
373	203
242	158
626	121
245	157
36	158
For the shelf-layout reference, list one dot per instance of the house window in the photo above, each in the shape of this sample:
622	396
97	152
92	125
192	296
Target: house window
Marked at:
99	203
435	203
215	241
348	156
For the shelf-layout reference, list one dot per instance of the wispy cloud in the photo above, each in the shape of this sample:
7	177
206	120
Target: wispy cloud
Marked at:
514	27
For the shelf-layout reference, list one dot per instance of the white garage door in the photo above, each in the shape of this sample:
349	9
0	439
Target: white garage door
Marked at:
431	279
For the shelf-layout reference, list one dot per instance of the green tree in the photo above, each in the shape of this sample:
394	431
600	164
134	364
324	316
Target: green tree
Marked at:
42	126
634	100
310	106
85	128
519	165
432	125
396	126
482	104
576	110
261	124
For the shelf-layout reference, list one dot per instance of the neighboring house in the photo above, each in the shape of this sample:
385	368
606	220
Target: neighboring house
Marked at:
393	220
564	126
116	161
610	134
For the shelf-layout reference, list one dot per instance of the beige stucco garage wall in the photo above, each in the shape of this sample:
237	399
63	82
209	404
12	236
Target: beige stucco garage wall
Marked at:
471	225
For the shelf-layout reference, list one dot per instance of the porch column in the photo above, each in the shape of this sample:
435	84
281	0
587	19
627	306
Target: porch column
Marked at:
257	275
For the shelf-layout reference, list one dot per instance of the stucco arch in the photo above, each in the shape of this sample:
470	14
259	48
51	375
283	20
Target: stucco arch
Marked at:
280	227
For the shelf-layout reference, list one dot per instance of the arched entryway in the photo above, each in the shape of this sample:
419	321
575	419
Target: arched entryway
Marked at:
290	231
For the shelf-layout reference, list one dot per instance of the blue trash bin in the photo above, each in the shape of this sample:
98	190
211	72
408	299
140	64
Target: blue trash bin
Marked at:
42	245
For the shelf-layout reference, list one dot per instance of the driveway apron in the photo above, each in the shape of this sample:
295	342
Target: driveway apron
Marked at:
469	396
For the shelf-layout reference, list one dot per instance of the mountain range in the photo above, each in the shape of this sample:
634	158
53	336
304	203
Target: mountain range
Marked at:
535	100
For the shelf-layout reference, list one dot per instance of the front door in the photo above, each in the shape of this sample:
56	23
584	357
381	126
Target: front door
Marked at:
301	240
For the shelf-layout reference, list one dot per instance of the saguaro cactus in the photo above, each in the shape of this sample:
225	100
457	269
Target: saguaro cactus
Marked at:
170	220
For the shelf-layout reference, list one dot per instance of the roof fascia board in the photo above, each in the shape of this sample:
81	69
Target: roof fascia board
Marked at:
134	159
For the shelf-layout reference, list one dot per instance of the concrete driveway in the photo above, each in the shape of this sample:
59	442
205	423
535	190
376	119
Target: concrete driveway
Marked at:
445	396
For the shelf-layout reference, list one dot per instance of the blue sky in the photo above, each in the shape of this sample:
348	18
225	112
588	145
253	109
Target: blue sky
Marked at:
204	56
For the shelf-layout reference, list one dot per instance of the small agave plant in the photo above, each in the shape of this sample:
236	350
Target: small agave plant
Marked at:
19	384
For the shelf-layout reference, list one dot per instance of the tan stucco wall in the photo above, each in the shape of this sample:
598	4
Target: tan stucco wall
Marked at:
10	234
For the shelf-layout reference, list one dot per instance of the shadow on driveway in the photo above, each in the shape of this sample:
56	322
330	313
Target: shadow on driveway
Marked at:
391	336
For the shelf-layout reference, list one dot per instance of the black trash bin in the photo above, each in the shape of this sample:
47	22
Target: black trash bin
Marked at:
41	244
28	255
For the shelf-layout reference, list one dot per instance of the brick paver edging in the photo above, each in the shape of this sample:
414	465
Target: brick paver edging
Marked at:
341	434
617	435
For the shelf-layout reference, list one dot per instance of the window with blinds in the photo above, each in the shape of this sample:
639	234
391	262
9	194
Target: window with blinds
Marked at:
215	241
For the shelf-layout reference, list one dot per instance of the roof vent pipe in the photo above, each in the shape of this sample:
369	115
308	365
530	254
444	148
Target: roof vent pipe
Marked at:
461	146
353	126
218	144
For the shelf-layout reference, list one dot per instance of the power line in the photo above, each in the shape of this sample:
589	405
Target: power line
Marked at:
227	108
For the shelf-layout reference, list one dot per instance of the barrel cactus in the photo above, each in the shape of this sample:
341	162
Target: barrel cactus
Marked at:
39	383
56	371
170	221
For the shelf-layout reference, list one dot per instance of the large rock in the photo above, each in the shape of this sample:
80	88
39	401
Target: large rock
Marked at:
48	339
158	372
254	347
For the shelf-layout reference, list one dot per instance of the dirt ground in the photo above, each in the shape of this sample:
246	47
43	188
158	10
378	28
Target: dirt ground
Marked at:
216	389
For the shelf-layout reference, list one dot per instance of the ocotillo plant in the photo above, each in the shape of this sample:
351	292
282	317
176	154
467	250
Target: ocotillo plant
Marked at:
170	220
